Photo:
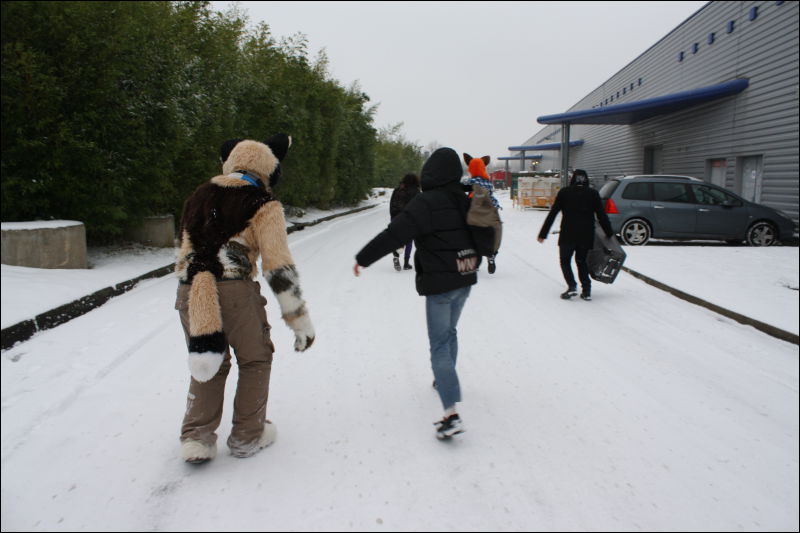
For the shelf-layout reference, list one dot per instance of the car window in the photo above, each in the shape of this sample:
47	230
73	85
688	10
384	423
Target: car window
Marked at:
671	192
637	191
608	189
711	196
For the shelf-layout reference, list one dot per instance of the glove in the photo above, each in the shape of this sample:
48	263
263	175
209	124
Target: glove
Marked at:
303	332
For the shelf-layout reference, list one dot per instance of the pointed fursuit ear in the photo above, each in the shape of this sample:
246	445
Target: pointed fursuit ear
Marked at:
467	158
226	148
279	144
486	159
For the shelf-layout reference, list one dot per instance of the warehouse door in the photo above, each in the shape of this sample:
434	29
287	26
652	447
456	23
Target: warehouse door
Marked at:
749	177
653	157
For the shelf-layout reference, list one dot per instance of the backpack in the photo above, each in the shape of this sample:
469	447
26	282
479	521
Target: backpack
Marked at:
483	222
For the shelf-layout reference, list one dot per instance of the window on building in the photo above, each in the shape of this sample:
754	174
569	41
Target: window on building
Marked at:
716	171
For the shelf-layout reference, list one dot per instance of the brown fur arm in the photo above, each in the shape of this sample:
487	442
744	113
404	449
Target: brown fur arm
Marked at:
269	229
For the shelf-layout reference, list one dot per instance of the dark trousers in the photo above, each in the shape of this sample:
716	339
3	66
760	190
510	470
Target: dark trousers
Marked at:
565	255
406	253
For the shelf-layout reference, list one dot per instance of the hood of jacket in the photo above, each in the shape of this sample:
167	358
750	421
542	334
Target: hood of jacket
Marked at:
441	168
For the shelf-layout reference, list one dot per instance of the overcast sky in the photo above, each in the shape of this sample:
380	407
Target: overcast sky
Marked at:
474	76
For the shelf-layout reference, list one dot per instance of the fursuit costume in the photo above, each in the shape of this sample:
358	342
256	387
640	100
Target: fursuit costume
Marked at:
227	224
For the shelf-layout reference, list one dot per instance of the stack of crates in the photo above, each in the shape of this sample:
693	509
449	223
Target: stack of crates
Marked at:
544	191
524	198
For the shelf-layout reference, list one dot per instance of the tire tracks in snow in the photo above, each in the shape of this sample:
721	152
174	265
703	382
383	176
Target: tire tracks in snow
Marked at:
141	342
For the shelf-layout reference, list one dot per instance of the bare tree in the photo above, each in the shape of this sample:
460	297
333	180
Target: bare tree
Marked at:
430	148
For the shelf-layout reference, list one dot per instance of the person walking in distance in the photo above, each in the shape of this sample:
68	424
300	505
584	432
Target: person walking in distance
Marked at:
578	204
402	194
446	267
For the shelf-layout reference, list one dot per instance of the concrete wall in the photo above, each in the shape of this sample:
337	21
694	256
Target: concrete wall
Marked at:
155	231
45	247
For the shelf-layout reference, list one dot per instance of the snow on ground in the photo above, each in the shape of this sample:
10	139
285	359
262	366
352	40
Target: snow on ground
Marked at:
39	224
634	412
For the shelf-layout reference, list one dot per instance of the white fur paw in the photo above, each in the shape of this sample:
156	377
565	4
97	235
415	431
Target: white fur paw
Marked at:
302	344
303	333
268	435
193	451
204	366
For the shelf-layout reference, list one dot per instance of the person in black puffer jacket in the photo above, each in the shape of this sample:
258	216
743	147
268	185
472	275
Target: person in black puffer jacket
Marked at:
408	189
579	204
446	267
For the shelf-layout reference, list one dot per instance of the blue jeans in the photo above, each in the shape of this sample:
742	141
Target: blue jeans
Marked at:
442	312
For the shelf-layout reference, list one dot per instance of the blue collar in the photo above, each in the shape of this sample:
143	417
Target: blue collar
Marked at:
246	177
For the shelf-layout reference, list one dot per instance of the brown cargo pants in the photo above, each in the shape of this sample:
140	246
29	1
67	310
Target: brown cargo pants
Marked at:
244	321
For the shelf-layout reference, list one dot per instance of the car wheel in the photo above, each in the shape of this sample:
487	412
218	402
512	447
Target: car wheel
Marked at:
761	234
635	232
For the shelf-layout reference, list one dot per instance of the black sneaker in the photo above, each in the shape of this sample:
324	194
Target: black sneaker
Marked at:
396	263
586	295
407	266
569	293
492	265
449	426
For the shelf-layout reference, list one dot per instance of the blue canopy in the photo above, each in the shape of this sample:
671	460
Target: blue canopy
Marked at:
548	146
632	112
518	157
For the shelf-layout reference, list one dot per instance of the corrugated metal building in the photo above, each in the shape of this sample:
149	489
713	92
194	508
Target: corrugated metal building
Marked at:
717	98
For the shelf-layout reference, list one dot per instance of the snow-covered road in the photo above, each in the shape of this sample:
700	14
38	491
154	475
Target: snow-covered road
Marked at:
634	412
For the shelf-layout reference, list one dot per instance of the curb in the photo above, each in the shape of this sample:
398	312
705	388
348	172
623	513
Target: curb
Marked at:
299	226
24	330
761	326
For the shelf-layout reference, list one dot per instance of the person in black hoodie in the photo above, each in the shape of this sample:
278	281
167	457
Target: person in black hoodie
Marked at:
446	268
403	193
579	204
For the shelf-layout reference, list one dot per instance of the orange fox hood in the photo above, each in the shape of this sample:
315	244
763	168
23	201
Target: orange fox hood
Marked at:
477	168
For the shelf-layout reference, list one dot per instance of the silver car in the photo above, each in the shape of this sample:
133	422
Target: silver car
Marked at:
682	207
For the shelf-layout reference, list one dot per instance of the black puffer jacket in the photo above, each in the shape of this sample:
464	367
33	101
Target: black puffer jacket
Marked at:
436	220
401	197
579	205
